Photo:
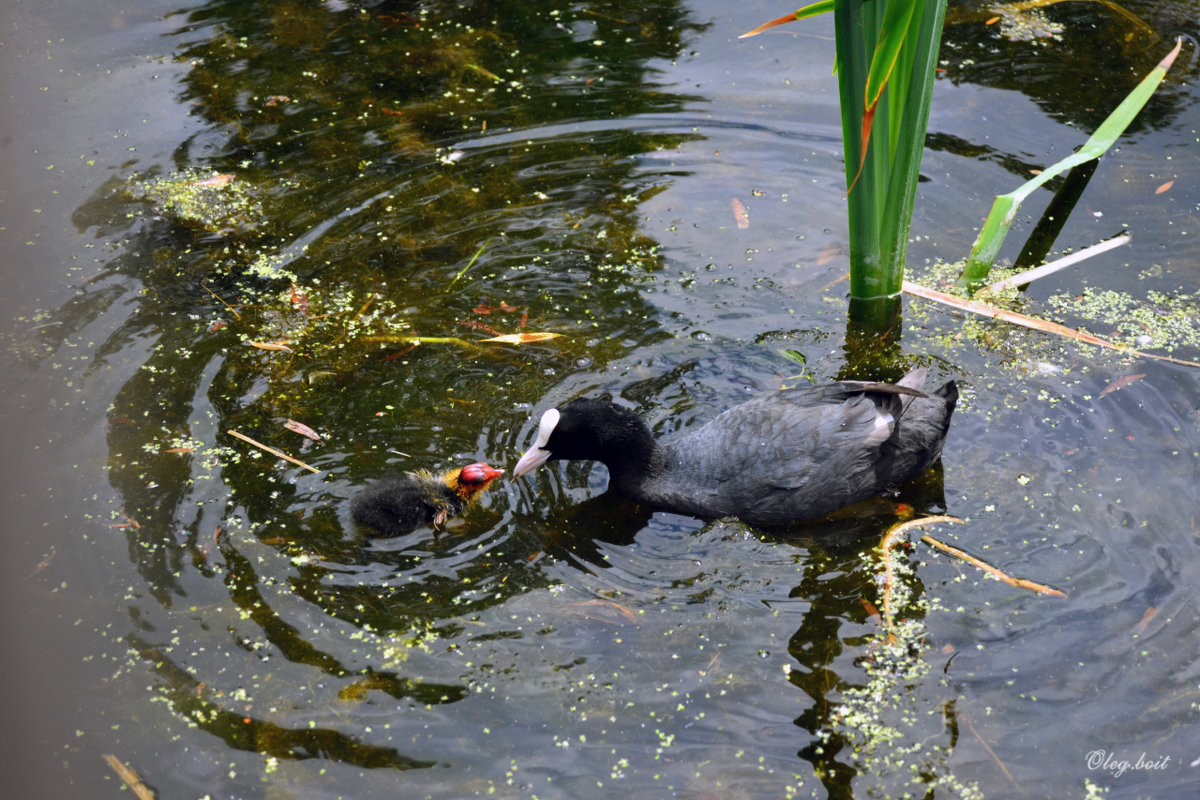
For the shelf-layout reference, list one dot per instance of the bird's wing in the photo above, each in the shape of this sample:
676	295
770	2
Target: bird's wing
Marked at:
811	438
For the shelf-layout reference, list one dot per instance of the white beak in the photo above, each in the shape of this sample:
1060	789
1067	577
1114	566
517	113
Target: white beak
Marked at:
537	455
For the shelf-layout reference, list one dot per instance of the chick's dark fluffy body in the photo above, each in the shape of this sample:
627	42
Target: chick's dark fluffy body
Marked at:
399	504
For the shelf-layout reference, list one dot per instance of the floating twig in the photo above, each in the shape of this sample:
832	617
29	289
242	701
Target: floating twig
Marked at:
129	522
605	605
1149	614
44	563
273	451
1016	318
302	429
522	338
399	339
485	73
990	752
1121	383
995	572
872	611
221	300
131	778
363	308
280	345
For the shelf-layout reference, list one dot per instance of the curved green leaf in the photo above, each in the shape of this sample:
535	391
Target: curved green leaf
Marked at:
808	11
1004	208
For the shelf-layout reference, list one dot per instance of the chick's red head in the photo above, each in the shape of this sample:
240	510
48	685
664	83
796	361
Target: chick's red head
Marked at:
476	477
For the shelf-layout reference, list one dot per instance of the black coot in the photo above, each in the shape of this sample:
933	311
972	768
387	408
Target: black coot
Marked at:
397	505
788	456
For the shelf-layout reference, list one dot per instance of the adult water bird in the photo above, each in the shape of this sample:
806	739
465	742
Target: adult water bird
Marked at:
397	505
788	456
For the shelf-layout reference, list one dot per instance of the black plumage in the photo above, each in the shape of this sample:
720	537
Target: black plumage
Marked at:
785	457
397	505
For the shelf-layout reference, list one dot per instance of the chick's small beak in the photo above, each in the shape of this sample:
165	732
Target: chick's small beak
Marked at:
534	457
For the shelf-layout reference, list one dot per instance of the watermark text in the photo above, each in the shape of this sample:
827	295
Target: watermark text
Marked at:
1118	765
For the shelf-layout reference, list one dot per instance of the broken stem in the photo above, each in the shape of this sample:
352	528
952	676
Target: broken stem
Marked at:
995	572
1029	276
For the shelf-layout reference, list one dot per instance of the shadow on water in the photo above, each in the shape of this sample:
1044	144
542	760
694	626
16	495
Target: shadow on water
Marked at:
1039	39
426	176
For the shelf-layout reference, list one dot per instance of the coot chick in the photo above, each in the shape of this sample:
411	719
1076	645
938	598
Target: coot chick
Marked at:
789	456
397	505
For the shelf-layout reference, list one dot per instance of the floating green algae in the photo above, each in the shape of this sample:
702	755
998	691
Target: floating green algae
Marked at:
211	203
895	727
1157	321
1027	24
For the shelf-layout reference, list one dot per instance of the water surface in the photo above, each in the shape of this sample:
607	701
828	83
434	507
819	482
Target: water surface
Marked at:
202	611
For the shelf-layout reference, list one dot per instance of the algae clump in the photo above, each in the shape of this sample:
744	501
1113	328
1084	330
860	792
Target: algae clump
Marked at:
217	204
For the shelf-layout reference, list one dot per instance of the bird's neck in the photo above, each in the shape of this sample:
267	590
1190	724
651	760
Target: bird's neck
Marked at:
634	467
452	478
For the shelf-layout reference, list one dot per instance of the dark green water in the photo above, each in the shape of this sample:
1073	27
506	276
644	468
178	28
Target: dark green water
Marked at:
450	171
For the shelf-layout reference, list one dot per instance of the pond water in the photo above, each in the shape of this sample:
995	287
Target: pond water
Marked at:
201	610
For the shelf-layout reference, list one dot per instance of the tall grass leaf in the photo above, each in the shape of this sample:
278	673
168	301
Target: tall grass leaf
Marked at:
856	27
868	124
907	128
1004	208
886	61
897	19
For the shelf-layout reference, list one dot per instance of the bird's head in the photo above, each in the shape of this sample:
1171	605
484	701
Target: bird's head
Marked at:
472	479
